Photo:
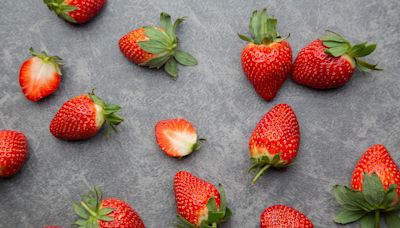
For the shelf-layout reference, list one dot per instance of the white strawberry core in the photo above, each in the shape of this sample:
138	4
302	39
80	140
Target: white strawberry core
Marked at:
182	142
41	72
99	115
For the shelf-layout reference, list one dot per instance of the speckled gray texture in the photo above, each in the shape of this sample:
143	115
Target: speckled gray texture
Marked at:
336	125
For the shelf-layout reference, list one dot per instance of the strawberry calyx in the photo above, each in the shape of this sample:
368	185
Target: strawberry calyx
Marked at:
164	44
108	112
90	211
215	216
261	164
54	60
262	29
338	46
368	205
61	9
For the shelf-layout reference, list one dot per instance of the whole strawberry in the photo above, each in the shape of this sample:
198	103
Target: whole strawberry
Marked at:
94	211
40	75
199	203
267	58
330	61
284	217
83	116
155	47
275	140
177	137
374	192
75	11
13	152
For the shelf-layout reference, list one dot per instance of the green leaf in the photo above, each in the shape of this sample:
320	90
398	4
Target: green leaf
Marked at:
171	67
350	200
222	198
105	218
245	38
183	223
185	58
365	66
333	36
153	46
392	220
80	222
373	189
390	196
332	43
337	51
346	216
157	62
212	205
156	34
178	22
368	221
80	211
105	211
228	214
166	23
364	51
271	27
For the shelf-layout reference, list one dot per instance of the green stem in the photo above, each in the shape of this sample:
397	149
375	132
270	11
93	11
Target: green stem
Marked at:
377	218
214	224
260	172
92	213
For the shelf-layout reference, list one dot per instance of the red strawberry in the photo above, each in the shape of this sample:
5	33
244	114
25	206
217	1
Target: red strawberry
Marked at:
51	227
13	152
177	137
83	116
94	211
330	61
75	11
155	47
40	75
267	58
375	183
199	203
275	140
284	217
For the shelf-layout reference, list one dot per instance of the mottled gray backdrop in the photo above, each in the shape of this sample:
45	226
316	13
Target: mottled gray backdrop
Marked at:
336	125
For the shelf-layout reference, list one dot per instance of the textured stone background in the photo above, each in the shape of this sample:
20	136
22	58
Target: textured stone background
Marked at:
336	125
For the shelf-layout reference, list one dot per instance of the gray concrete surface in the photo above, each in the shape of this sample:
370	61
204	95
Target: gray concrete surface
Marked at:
336	125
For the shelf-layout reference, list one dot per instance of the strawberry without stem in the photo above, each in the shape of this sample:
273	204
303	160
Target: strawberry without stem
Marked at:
267	58
13	152
177	137
155	47
40	75
330	61
199	203
375	182
94	211
83	116
275	140
284	217
75	11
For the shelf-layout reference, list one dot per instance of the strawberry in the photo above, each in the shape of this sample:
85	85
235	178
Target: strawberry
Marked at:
75	11
82	117
267	58
199	203
275	140
40	75
155	47
94	211
177	137
330	61
13	152
375	191
51	227
284	217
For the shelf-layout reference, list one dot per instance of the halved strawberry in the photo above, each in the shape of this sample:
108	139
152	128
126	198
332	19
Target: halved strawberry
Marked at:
40	75
177	137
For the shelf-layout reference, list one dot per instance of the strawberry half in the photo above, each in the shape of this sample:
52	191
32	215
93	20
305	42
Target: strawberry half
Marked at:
330	61
275	140
199	203
156	47
267	58
375	191
284	217
75	11
94	211
177	137
13	152
83	116
40	75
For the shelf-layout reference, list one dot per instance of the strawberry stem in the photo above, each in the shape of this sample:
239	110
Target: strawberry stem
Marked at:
214	224
259	173
92	213
377	218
